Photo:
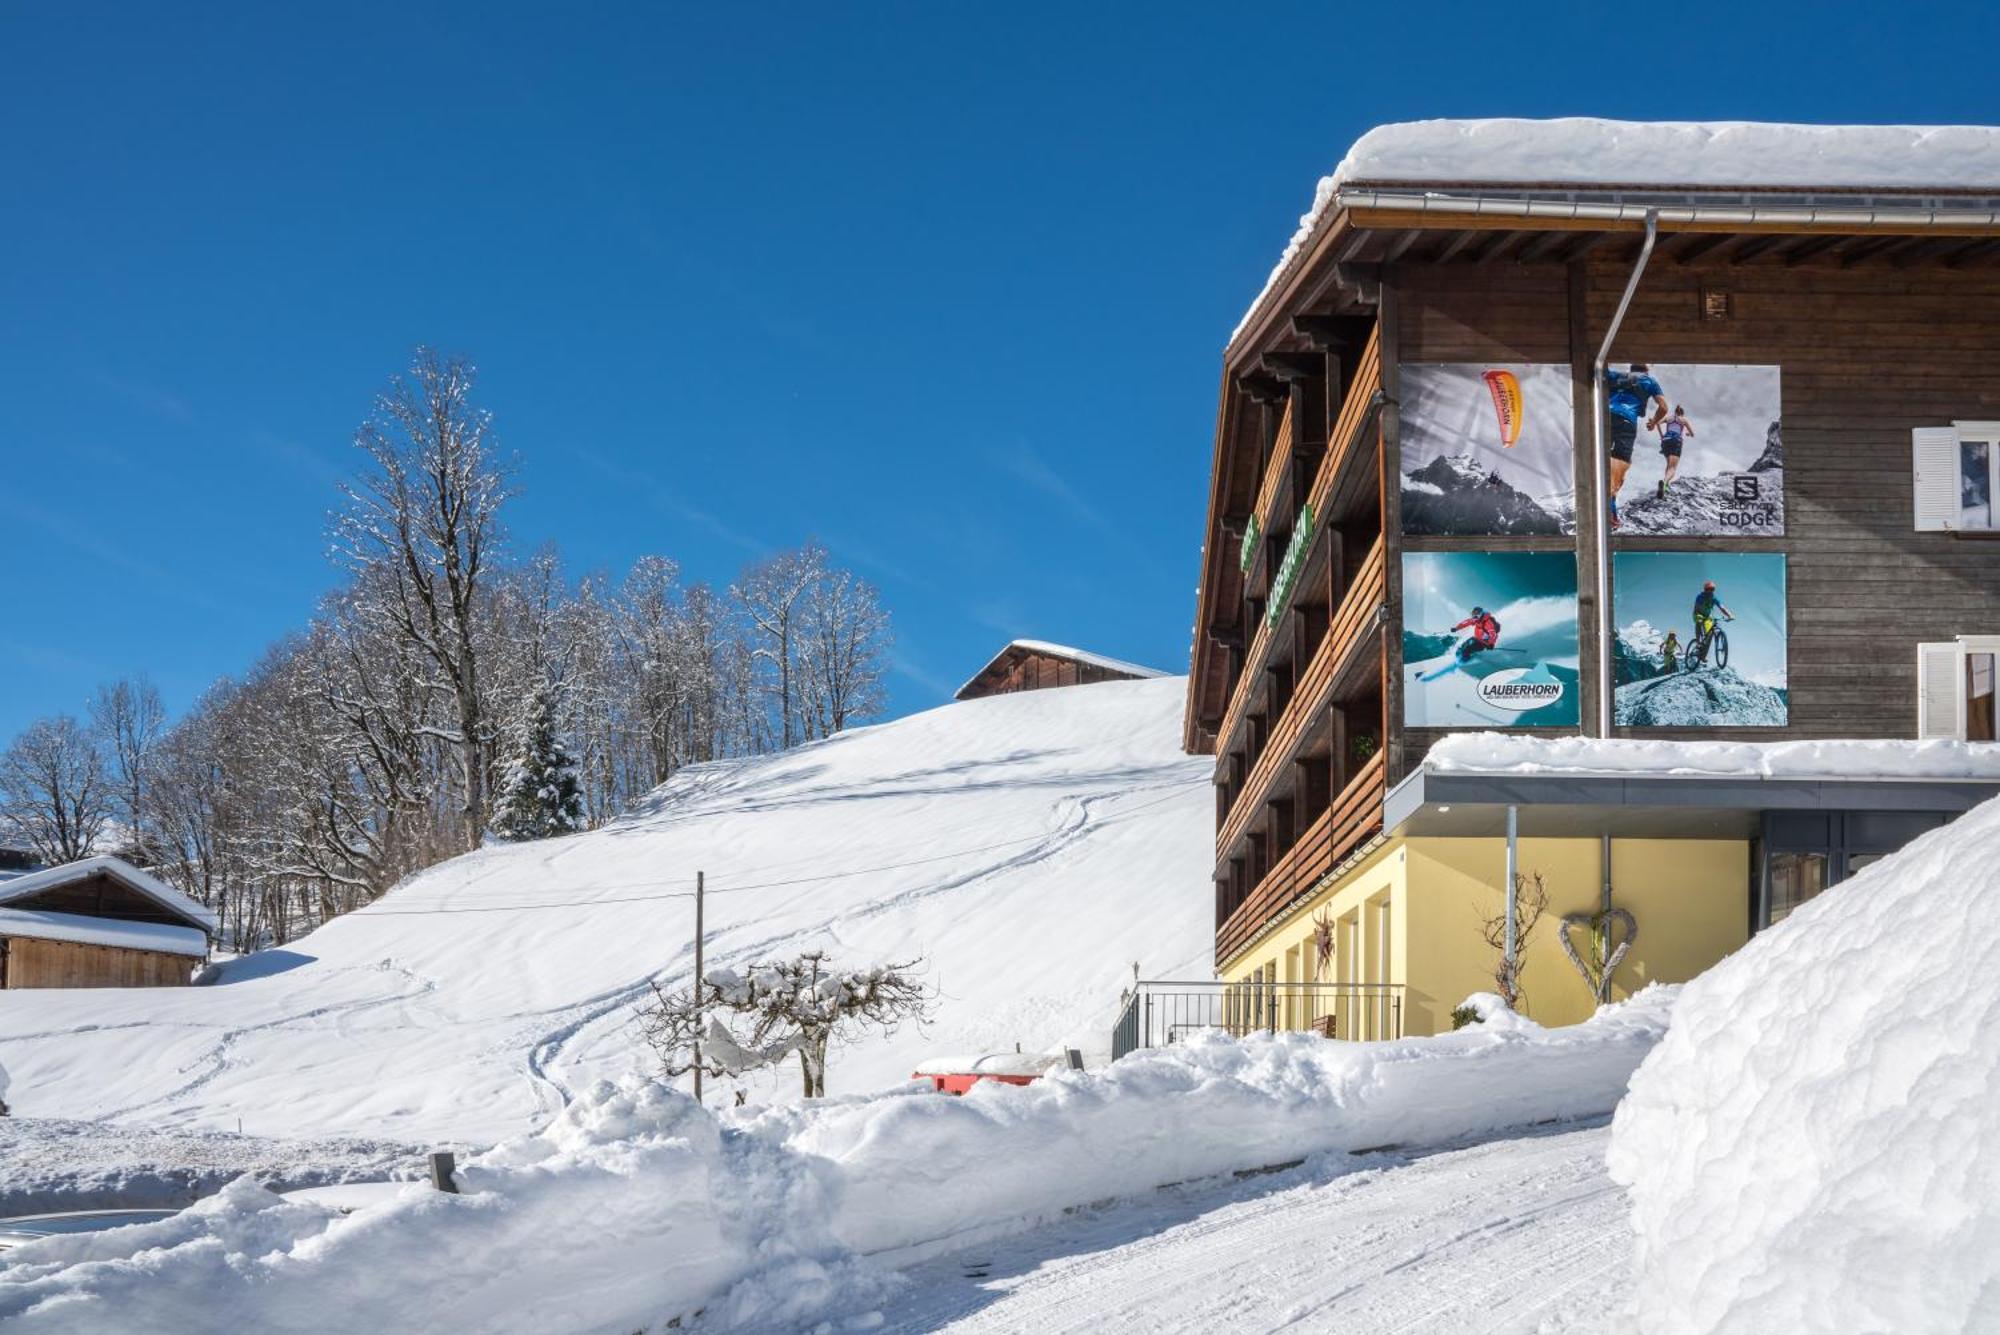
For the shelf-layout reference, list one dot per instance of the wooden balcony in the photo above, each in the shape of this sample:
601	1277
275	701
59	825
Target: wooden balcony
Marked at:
1276	469
1346	636
1341	451
1354	817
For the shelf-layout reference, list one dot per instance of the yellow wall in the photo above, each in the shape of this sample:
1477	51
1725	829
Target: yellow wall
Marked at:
1691	898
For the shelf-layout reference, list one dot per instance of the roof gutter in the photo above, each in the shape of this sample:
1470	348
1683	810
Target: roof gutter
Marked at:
1873	218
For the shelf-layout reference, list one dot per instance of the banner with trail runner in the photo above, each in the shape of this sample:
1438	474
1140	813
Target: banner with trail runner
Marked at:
1700	640
1489	448
1695	450
1489	640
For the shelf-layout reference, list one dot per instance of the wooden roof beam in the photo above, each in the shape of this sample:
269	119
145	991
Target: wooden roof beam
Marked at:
1459	241
1774	244
1333	333
1263	389
1878	248
1400	245
1293	367
1973	254
1819	247
1947	245
1705	245
1502	242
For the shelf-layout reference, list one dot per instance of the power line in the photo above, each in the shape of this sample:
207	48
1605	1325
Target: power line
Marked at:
662	895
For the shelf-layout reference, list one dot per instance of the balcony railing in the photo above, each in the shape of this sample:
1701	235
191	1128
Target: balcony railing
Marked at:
1352	819
1161	1013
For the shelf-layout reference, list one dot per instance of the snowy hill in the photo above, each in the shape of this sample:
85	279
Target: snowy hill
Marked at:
1030	848
1708	698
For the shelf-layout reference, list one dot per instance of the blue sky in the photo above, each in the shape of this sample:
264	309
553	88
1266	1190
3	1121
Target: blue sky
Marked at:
946	287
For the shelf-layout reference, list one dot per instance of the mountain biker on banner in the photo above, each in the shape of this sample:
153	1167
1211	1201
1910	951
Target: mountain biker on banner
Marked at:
1670	650
1674	432
1706	604
1631	392
1485	633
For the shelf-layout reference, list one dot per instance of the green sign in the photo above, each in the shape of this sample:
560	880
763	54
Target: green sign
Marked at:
1252	535
1288	569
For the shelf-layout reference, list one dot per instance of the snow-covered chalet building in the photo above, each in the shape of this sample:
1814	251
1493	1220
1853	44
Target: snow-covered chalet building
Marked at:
1774	347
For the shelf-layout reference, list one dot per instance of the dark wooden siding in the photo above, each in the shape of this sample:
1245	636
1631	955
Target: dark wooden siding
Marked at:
1866	355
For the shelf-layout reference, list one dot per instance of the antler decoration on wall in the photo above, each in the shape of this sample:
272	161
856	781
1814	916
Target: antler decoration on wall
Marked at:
1322	943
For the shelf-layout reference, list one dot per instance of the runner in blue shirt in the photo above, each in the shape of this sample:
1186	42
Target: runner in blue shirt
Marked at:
1630	392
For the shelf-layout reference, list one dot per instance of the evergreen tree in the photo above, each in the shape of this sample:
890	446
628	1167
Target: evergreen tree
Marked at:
541	793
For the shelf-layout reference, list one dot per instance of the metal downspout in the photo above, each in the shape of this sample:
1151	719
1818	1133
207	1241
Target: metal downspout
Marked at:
1601	469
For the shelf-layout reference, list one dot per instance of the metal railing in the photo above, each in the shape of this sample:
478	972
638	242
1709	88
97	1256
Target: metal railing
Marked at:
1158	1014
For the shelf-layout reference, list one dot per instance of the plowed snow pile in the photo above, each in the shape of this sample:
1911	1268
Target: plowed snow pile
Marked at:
1029	848
1812	1147
635	1207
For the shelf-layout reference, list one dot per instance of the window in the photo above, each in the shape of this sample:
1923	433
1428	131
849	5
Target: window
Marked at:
1956	688
1795	878
1957	476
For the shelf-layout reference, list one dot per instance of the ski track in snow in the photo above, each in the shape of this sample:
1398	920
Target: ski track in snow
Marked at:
545	1052
1511	1235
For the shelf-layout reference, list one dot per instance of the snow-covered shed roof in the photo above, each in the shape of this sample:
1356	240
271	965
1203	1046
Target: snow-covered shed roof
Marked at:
1019	648
127	875
87	931
1581	154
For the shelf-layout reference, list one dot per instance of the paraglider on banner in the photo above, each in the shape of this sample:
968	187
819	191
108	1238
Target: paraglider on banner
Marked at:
1489	449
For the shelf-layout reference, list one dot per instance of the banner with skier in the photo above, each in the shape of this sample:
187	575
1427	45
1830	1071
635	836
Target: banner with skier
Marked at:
1489	640
1700	640
1489	448
1694	450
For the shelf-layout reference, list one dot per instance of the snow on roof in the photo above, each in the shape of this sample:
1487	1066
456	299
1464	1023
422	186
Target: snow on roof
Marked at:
1066	651
153	888
1501	753
1582	151
87	931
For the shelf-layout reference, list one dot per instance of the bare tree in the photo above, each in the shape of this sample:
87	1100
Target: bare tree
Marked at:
799	1005
1531	900
420	530
53	792
129	720
771	593
846	637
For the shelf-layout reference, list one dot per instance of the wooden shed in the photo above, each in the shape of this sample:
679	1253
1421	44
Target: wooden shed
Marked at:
1035	665
100	922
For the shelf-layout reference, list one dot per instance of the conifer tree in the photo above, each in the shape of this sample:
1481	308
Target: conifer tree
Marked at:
541	794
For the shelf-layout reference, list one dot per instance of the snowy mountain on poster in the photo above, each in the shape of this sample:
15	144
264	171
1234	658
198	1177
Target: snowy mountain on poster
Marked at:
1538	647
1029	848
1706	698
1487	449
1455	494
1731	481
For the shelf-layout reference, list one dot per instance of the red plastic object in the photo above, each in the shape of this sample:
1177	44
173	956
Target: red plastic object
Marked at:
959	1082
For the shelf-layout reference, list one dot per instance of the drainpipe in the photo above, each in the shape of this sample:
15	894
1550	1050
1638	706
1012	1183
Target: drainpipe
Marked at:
1601	469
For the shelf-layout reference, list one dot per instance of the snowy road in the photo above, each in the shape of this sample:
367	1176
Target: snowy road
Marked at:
1513	1235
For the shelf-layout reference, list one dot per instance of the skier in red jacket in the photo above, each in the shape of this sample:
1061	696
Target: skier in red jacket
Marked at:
1485	633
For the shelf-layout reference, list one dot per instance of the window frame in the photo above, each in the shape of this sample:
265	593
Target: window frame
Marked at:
1962	648
1988	434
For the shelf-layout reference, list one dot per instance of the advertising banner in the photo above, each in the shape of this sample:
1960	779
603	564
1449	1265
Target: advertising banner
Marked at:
1489	640
1695	449
1700	640
1488	448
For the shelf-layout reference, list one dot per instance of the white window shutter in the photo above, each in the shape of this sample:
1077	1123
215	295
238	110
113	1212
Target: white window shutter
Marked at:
1940	691
1934	455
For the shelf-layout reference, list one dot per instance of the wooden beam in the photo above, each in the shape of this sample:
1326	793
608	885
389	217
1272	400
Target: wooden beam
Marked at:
1401	245
1704	247
1458	242
1876	249
1544	245
1590	242
1262	389
1818	247
1751	247
1503	241
1930	250
1973	254
1363	281
1293	367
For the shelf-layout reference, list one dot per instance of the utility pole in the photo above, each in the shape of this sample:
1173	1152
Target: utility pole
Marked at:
699	999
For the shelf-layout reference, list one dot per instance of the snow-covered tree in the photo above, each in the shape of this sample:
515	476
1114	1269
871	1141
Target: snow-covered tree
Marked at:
421	531
128	720
541	793
845	651
757	1017
772	594
54	795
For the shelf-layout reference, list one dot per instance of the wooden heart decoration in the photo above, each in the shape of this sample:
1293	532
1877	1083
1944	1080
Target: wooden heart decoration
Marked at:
1599	980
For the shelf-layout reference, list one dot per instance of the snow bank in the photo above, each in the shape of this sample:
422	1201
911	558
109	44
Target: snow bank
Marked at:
49	1164
918	1169
1586	151
635	1206
629	1210
1811	1147
1501	753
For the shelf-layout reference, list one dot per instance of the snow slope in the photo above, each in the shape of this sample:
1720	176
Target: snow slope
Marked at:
1030	848
1811	1148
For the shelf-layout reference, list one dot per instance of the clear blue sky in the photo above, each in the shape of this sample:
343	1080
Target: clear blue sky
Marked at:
945	286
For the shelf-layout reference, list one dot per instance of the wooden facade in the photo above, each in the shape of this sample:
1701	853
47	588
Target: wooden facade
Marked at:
1880	325
28	962
1029	665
